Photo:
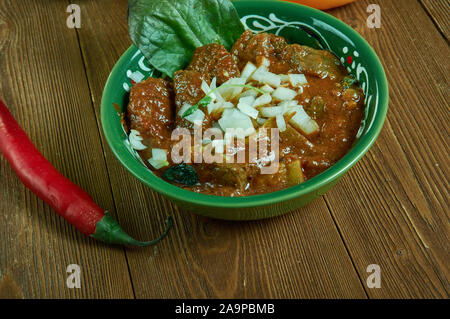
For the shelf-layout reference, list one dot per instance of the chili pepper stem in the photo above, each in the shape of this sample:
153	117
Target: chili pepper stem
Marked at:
109	231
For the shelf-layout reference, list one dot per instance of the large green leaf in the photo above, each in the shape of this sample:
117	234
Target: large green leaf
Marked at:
168	31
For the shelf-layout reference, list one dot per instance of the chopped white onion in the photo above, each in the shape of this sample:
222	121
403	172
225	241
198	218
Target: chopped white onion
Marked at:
264	76
281	123
259	73
261	120
289	106
214	106
267	88
284	77
213	84
249	92
265	62
297	80
135	140
159	154
215	125
219	107
235	119
159	158
229	92
248	110
302	121
158	164
196	117
208	88
228	105
249	100
262	100
205	87
271	111
284	94
183	109
248	70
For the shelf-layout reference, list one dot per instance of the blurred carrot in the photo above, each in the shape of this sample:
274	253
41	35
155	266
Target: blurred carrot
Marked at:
322	4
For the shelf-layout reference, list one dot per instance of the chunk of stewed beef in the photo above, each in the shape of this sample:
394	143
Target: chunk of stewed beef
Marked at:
215	61
321	63
150	111
187	87
253	47
237	175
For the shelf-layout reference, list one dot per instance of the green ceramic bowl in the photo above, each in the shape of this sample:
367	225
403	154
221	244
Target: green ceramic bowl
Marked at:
299	24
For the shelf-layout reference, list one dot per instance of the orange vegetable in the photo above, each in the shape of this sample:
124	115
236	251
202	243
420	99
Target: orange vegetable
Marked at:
323	4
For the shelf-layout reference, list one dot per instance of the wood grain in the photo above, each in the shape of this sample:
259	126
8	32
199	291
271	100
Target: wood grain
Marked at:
392	209
439	12
45	87
298	255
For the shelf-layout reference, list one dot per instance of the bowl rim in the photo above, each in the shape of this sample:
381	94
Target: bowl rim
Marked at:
334	172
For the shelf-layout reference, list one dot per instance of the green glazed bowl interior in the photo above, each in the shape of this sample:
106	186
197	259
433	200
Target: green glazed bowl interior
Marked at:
298	24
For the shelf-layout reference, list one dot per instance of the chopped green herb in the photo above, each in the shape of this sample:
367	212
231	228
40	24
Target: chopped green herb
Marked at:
182	173
203	102
348	81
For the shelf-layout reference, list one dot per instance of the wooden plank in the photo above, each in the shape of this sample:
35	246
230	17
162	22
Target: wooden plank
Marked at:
45	86
439	11
297	255
392	208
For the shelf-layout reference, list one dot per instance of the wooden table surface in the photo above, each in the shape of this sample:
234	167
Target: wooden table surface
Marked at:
391	209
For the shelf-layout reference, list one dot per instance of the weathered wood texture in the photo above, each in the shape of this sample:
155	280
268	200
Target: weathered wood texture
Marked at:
391	209
439	12
44	84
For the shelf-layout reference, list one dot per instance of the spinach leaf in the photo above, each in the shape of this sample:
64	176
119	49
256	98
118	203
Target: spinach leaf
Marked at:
167	32
182	173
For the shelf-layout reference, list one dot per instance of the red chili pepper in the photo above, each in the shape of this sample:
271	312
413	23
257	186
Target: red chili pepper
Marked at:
66	198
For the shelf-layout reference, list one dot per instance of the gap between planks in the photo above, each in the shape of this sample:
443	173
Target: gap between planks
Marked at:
435	22
91	93
345	246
